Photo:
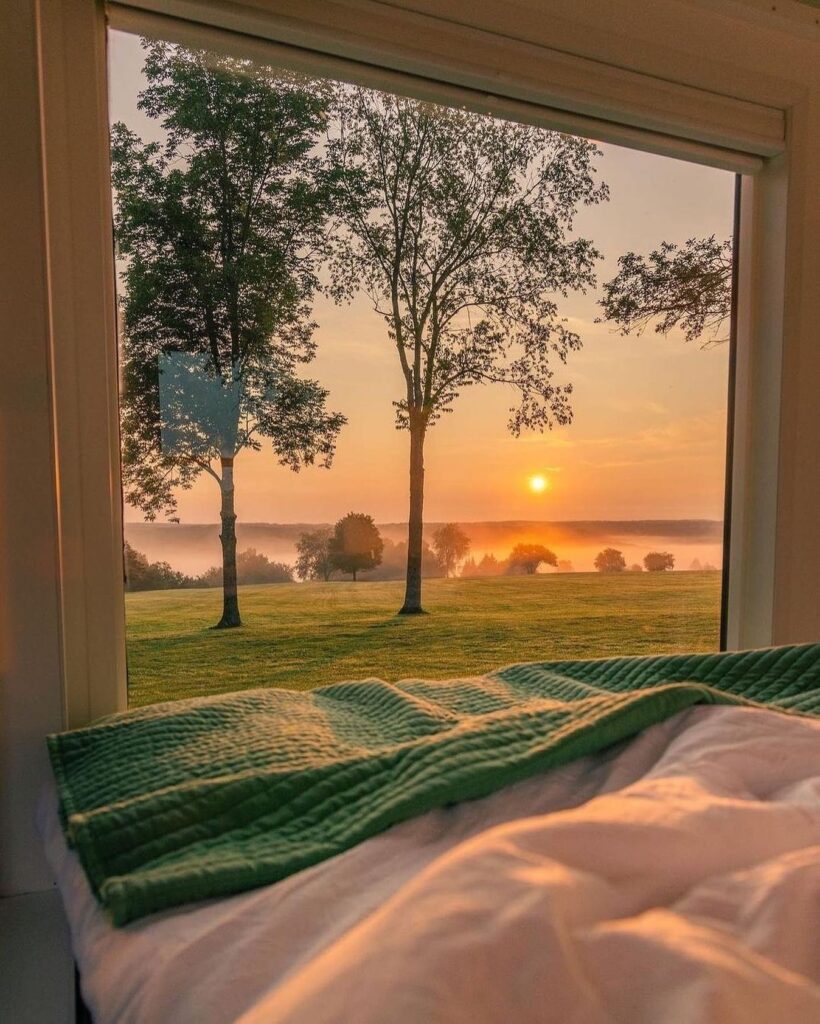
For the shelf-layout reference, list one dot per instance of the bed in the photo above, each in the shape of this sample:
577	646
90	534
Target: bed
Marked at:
673	874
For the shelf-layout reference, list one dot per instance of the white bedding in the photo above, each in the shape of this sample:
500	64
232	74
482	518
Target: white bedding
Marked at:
673	879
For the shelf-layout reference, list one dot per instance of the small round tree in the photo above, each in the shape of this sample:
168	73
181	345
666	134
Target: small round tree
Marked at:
356	544
659	561
610	560
450	544
527	557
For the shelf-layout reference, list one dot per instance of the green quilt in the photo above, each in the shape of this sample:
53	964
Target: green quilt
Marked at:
203	798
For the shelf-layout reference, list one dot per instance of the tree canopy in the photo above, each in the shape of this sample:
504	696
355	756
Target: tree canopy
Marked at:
528	557
687	286
659	561
450	544
313	561
610	560
140	574
356	544
459	230
252	566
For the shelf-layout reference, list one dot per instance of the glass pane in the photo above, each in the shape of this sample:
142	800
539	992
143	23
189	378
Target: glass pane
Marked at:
381	358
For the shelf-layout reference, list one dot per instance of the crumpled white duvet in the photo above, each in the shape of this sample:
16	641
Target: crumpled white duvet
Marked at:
671	880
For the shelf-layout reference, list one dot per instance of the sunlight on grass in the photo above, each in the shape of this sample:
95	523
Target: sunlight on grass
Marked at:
301	636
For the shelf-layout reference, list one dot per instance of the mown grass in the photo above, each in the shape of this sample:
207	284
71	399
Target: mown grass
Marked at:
305	635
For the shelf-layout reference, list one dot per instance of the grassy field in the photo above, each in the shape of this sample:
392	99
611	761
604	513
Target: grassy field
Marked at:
304	635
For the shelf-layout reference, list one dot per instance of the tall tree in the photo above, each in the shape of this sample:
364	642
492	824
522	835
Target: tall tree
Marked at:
450	544
687	286
221	229
458	228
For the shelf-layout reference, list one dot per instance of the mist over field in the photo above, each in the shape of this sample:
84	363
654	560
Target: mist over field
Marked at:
193	548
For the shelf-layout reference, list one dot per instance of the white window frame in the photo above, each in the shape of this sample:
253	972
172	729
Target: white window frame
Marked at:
722	82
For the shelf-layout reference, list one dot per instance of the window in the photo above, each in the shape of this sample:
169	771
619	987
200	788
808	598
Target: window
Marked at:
321	287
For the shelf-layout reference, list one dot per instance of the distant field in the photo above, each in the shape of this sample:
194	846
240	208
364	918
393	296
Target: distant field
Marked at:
304	635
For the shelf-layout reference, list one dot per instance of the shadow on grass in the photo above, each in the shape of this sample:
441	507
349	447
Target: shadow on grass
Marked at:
394	622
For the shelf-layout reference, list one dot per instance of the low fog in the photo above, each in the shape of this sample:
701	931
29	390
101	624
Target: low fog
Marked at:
193	548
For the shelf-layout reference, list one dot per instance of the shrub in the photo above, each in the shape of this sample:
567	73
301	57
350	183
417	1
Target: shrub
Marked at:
659	561
140	574
251	567
527	557
610	560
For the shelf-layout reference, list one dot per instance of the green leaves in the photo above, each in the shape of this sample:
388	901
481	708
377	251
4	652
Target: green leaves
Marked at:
687	286
221	230
356	544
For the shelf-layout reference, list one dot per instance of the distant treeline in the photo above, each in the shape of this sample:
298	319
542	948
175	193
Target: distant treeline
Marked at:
194	544
251	566
355	545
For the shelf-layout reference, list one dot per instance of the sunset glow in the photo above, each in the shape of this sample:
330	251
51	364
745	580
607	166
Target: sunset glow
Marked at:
646	441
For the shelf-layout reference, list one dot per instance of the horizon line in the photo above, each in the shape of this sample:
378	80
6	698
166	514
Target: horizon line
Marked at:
462	522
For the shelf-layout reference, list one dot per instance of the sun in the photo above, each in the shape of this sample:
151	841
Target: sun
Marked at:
538	483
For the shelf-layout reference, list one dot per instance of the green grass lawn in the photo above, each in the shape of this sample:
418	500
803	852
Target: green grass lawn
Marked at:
305	635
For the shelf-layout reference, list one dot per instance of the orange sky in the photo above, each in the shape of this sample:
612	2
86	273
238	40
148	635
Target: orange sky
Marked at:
648	439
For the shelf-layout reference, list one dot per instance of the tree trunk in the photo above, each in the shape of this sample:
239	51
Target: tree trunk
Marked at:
415	526
354	575
230	599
